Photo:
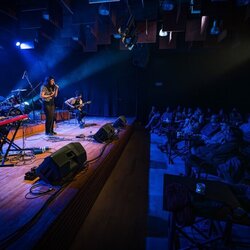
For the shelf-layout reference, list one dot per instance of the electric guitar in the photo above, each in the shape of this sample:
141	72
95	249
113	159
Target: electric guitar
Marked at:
80	106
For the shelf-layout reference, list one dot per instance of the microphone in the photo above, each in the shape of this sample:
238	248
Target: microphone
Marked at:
24	74
41	150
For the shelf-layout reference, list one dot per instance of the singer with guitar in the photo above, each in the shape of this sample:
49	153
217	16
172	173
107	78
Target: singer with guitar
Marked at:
76	103
48	93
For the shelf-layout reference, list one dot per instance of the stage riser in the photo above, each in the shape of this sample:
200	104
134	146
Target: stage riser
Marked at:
68	223
60	115
64	216
28	129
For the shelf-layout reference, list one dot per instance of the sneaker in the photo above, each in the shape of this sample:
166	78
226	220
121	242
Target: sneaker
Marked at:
54	133
49	134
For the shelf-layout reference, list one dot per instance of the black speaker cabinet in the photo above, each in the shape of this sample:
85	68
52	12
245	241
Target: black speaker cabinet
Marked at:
105	133
120	122
62	165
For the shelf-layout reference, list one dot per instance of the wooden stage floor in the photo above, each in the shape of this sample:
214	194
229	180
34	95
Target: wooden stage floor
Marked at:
38	221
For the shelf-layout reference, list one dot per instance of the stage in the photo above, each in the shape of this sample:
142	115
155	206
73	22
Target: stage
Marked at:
37	221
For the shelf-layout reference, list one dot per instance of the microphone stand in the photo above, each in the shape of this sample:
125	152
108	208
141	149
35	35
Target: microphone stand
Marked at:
32	96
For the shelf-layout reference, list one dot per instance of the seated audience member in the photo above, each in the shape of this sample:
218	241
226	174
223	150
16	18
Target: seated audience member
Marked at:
245	128
178	115
165	121
211	127
201	120
184	114
152	112
197	112
222	116
208	114
235	117
191	126
221	136
167	116
232	170
189	113
245	149
154	117
223	145
225	135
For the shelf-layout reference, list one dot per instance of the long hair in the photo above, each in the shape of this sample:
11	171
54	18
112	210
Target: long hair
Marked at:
78	93
47	82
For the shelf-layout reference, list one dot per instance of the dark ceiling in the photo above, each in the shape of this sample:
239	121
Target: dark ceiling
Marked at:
81	24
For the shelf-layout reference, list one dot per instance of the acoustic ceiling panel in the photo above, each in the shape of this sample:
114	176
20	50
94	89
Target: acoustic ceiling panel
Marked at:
102	1
168	42
146	32
193	31
104	30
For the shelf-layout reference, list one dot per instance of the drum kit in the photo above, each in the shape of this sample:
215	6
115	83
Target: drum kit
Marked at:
14	104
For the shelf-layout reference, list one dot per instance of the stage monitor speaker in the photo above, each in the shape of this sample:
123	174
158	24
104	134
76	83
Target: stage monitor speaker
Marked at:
62	165
120	122
105	133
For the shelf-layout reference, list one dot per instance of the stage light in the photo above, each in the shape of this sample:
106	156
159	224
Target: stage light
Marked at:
195	7
45	15
27	45
167	5
117	36
163	33
129	41
18	44
103	10
215	29
129	35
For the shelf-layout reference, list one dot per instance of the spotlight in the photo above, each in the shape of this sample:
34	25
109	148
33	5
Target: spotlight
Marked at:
163	33
18	44
167	5
27	45
215	29
117	36
129	41
129	35
103	10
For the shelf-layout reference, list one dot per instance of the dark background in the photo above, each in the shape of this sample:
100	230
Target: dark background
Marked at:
205	78
76	44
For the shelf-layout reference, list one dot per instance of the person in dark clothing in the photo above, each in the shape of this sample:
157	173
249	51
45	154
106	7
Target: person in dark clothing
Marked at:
153	118
76	103
48	93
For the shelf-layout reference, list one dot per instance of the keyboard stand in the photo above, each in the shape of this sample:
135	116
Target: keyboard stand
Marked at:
3	138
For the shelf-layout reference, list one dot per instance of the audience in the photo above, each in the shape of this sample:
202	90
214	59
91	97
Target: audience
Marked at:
217	142
245	128
235	118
